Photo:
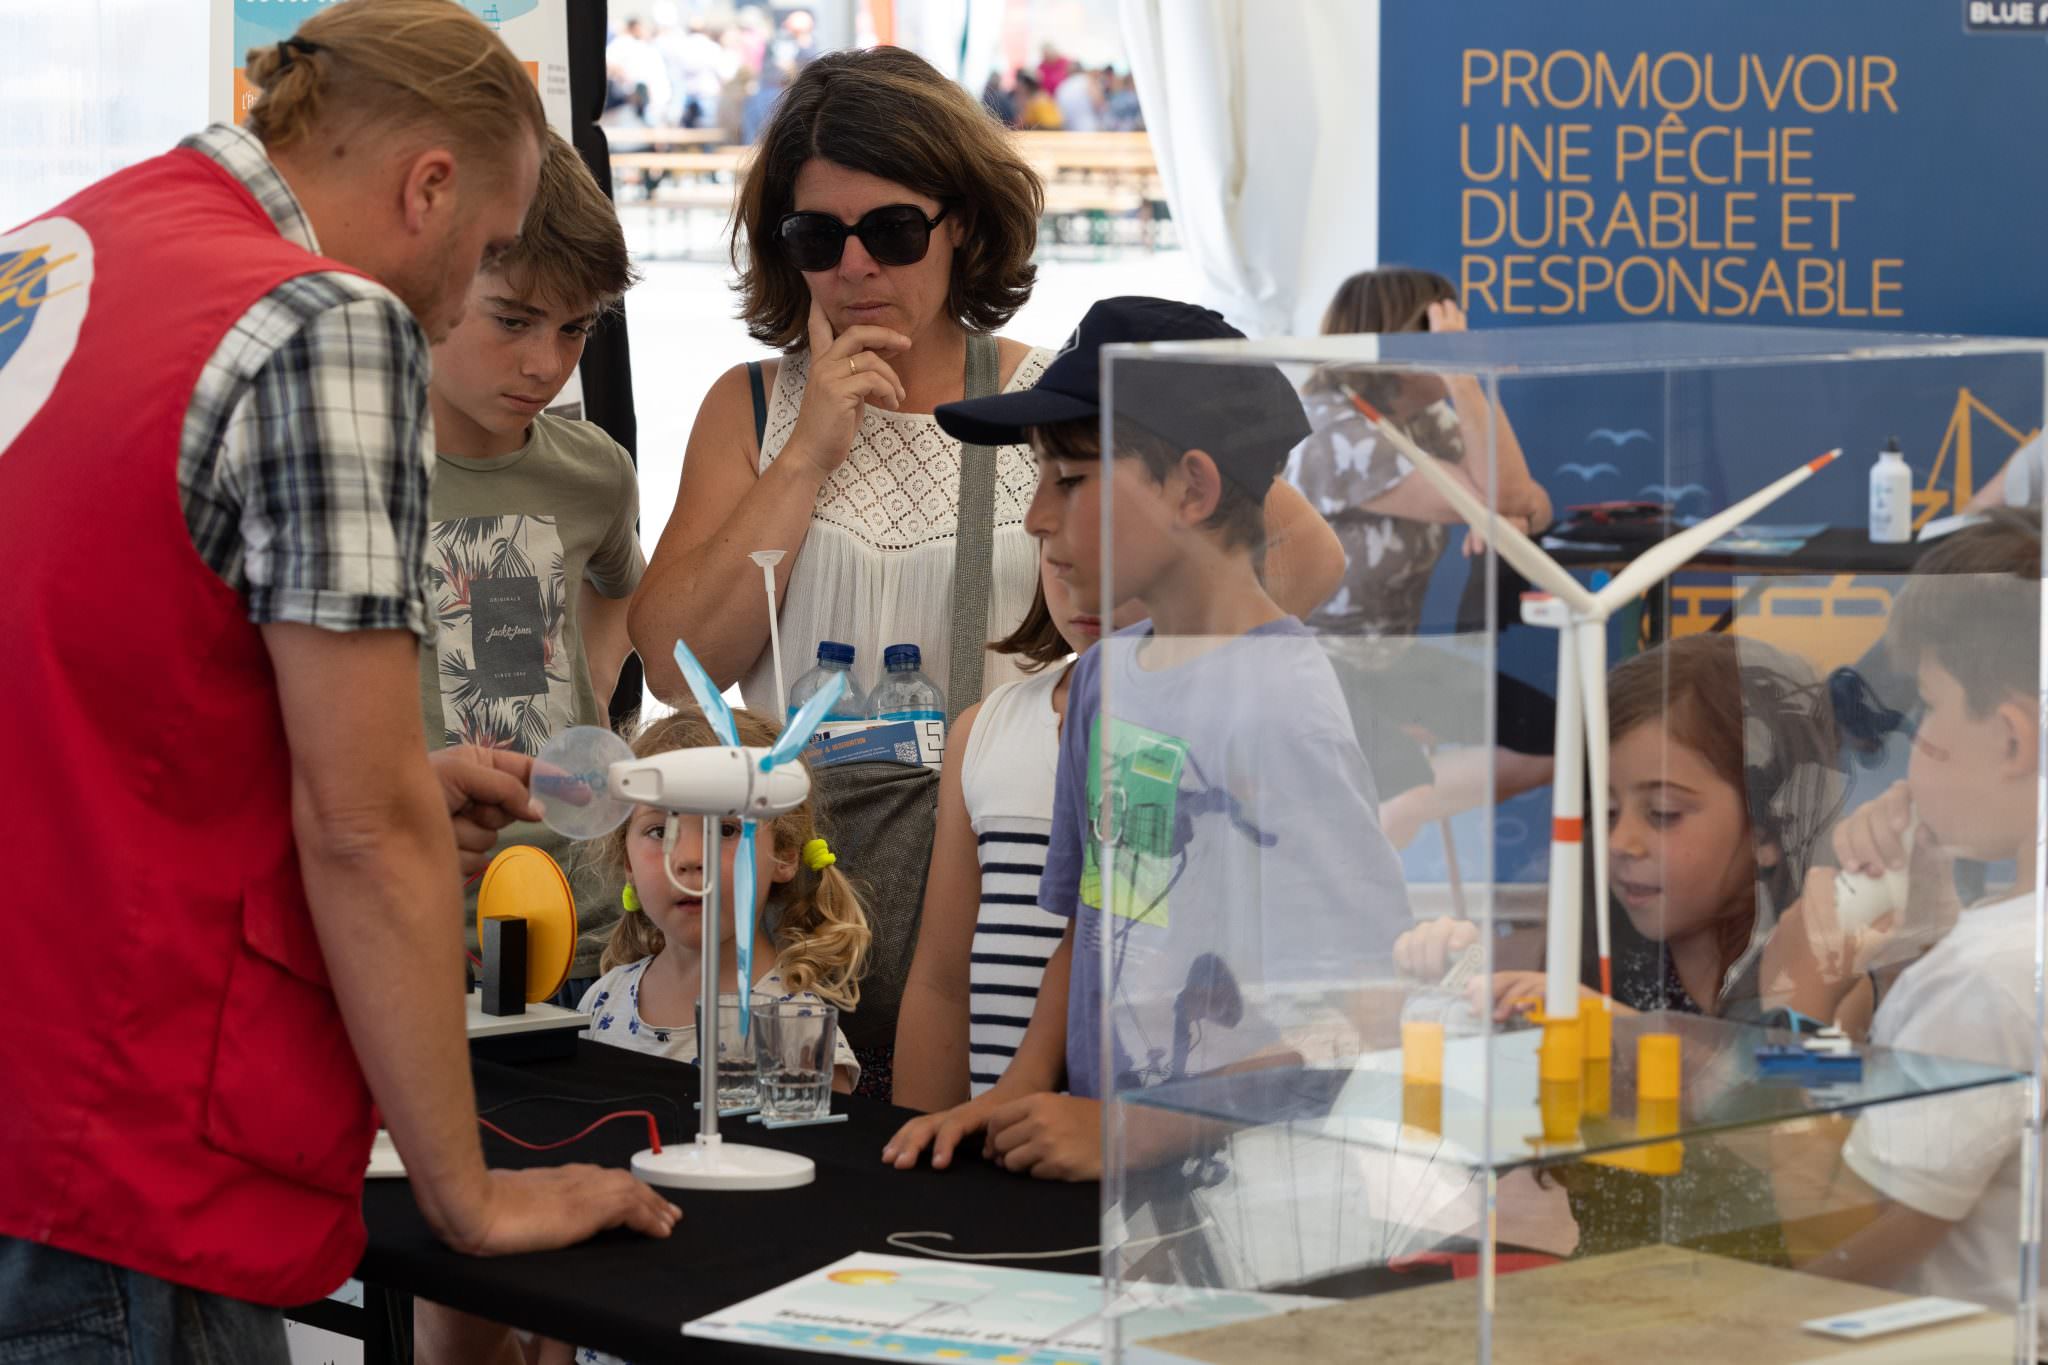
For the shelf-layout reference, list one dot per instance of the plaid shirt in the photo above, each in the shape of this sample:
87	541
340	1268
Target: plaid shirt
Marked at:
307	452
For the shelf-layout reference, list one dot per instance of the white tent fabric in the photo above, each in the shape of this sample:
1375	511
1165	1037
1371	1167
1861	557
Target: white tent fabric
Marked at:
1264	115
933	29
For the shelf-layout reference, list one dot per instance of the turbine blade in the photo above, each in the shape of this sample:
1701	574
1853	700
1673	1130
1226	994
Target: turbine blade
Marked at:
1663	560
1515	547
708	700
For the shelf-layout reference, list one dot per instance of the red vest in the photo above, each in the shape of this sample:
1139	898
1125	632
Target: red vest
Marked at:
177	1093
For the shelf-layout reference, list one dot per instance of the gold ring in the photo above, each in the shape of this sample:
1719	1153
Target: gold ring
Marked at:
852	365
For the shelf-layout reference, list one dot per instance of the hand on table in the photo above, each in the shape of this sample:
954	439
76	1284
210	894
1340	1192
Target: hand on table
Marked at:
1427	951
942	1132
486	790
847	372
558	1206
1049	1137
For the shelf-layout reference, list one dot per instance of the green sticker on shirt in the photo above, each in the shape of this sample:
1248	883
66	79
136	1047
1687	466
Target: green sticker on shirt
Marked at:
1143	810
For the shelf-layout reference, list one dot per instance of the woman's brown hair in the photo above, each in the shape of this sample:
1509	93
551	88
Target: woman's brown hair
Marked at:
1762	721
890	114
398	64
1393	298
821	932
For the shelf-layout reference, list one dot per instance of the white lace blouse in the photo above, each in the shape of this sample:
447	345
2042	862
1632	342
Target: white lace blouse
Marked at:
876	568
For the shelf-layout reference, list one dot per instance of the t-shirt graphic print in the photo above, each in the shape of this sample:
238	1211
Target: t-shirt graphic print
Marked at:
498	588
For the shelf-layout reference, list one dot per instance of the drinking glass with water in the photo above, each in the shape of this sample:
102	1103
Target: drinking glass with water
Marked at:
793	1048
738	1077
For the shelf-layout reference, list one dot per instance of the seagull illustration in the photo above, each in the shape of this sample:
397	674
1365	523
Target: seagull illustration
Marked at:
1673	493
1617	438
1587	472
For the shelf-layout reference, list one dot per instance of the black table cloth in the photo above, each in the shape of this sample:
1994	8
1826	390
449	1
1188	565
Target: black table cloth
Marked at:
629	1295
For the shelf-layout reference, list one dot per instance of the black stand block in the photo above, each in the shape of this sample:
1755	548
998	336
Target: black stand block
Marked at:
504	966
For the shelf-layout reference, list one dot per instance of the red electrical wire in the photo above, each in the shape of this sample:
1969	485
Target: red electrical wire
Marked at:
653	1131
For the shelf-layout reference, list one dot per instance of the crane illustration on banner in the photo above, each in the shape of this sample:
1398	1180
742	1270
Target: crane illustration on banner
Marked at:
1956	439
1579	616
587	781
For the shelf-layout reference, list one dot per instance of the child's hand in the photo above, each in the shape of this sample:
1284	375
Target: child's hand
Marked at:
1053	1137
1427	951
1930	911
1510	990
1507	991
942	1132
1871	839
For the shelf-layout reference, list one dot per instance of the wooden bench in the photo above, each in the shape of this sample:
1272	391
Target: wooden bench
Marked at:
665	137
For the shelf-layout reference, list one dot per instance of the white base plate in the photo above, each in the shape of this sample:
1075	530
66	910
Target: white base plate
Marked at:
385	1163
536	1019
723	1166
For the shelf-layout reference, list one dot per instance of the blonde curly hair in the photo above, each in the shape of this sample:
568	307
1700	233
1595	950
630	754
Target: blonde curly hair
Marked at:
820	929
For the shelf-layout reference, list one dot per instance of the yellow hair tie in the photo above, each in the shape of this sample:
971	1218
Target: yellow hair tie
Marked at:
818	855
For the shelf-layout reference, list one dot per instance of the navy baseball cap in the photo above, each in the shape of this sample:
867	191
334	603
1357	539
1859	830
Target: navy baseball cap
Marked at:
1246	416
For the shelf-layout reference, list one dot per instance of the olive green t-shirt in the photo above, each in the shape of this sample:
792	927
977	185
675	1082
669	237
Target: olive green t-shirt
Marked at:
510	540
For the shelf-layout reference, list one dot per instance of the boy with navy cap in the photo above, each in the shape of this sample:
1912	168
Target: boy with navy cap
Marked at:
1248	864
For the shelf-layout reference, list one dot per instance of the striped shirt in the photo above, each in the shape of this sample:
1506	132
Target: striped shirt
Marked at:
307	451
1006	780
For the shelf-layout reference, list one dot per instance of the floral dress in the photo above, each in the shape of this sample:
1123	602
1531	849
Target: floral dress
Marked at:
1342	466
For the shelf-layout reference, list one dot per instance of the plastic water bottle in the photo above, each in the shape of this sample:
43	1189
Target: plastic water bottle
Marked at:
833	657
904	693
1891	497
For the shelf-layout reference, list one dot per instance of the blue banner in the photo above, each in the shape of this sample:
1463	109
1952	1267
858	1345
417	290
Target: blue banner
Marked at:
1872	165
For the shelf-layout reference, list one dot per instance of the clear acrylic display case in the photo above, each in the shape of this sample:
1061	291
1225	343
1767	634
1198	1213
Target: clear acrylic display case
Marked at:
1342	938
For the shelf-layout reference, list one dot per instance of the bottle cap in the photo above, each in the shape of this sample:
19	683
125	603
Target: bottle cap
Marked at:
902	658
832	652
1891	447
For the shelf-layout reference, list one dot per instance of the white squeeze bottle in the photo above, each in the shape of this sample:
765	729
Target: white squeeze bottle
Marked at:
904	693
1891	497
1861	901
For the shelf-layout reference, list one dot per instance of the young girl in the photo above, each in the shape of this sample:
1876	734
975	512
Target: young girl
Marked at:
810	938
1722	780
810	935
1721	786
976	973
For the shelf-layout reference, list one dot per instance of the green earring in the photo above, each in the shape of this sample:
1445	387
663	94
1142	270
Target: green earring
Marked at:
630	899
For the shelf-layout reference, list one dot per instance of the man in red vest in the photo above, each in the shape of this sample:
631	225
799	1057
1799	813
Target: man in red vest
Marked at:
232	913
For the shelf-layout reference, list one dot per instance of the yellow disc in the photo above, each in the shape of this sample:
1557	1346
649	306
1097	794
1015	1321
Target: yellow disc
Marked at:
524	883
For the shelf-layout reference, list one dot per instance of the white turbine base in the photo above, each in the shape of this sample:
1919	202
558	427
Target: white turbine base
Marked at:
717	1165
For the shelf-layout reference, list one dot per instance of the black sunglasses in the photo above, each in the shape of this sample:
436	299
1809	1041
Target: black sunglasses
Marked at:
895	234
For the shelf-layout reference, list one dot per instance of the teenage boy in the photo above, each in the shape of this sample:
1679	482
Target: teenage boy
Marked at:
1944	1174
1249	864
532	550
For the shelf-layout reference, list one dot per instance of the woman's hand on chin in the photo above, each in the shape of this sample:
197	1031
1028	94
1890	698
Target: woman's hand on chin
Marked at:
848	371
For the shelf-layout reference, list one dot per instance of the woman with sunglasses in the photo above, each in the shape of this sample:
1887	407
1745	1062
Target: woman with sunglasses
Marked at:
886	220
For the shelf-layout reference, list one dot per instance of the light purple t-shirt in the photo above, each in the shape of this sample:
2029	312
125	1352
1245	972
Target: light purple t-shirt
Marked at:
1249	857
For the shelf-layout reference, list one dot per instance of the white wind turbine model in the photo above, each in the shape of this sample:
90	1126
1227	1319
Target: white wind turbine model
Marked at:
1579	615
